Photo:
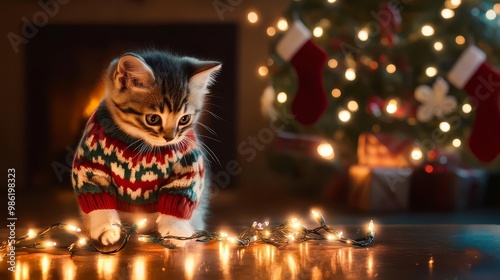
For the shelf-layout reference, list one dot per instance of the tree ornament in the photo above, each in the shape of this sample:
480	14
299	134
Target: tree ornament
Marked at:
375	106
267	99
475	76
435	101
404	110
308	59
390	22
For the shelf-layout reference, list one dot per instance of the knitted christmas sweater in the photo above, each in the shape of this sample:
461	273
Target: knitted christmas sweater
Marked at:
111	172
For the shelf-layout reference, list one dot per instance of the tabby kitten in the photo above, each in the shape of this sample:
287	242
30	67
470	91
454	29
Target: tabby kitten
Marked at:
139	156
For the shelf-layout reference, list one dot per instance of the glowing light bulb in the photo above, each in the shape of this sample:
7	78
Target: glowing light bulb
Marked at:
416	154
466	108
352	106
50	244
491	15
325	150
438	46
336	93
330	237
324	22
74	228
333	63
444	126
282	24
452	4
427	30
315	214
340	234
447	13
331	1
291	237
496	8
460	40
456	143
223	235
392	106
142	222
263	71
350	74
31	234
318	31
431	71
344	116
231	239
82	241
371	226
282	97
252	17
391	68
267	233
271	31
363	34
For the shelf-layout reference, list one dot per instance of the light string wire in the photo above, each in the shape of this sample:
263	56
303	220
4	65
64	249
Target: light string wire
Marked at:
290	231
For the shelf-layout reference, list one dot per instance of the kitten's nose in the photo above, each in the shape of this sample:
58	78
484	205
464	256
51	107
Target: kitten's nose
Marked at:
169	134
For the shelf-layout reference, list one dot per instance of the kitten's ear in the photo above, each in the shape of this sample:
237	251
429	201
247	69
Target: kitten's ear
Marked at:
204	75
132	72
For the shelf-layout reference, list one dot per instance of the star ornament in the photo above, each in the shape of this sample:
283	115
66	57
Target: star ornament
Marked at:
435	101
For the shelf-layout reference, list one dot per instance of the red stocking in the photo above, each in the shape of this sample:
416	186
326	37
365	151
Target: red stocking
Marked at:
482	84
308	59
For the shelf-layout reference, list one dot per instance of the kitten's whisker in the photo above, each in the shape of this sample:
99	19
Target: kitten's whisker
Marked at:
211	138
142	149
212	95
213	104
132	144
214	115
209	151
208	128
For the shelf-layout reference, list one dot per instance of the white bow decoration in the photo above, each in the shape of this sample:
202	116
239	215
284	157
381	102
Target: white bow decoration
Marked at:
435	101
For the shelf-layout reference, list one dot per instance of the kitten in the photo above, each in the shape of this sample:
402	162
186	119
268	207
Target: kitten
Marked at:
140	153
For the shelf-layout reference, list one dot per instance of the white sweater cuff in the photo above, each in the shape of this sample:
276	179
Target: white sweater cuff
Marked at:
293	40
466	65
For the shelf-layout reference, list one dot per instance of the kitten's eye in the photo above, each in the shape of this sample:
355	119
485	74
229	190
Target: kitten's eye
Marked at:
153	119
185	120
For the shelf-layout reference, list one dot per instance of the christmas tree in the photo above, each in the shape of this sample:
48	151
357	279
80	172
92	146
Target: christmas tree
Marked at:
347	68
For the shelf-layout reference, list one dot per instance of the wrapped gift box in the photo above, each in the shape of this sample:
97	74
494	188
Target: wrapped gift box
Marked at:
385	150
439	187
379	188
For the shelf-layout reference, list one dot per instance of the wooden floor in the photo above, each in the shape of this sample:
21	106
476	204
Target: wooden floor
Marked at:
398	252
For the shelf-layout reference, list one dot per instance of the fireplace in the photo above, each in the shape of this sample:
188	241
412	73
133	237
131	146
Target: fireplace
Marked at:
64	66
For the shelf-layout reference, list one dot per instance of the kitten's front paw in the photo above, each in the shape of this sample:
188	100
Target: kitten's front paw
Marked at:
103	226
169	225
110	236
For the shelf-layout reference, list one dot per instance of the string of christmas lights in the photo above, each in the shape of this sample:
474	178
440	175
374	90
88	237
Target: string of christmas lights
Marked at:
290	231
